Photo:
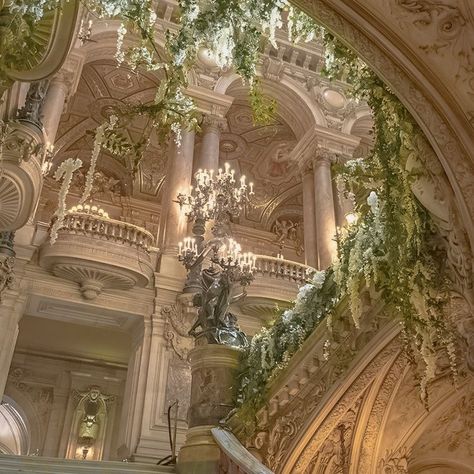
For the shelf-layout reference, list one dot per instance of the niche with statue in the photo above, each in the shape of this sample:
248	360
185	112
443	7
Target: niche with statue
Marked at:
92	414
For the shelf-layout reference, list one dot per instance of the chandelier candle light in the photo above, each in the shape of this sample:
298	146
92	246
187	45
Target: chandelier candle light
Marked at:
216	197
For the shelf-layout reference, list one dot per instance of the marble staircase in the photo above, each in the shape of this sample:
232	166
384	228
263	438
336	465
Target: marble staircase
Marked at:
10	464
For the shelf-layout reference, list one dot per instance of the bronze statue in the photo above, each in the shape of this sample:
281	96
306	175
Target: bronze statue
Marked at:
215	321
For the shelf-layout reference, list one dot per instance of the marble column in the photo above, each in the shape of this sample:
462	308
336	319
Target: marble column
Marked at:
135	389
324	207
309	218
173	222
213	368
53	105
208	157
11	311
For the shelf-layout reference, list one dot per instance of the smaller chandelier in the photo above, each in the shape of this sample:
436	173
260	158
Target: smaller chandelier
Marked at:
89	209
226	253
216	195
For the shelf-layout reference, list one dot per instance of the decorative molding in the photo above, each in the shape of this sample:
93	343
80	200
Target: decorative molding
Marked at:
7	275
179	319
395	462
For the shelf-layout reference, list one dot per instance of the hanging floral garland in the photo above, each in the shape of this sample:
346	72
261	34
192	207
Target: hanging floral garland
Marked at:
65	172
392	226
390	248
99	140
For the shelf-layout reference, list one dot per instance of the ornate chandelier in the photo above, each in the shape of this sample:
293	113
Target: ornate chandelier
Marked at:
216	197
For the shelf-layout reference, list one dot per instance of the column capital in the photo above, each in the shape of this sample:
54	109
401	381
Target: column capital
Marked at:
70	73
214	123
324	157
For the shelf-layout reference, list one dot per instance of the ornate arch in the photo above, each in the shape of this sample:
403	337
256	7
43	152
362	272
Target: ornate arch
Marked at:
412	82
291	97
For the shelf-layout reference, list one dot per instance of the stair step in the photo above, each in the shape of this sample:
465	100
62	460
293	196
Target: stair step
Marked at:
10	464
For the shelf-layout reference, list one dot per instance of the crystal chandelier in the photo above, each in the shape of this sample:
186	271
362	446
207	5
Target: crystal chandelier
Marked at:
217	197
215	265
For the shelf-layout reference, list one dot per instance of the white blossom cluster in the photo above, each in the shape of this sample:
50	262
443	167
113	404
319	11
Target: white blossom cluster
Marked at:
65	172
34	8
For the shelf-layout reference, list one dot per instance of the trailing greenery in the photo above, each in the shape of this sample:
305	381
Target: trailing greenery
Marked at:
390	247
19	22
230	31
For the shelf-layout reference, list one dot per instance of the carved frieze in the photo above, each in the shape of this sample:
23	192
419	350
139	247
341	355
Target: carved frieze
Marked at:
179	319
395	462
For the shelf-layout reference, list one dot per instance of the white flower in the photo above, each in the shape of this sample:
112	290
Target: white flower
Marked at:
287	315
373	202
318	279
304	291
273	23
65	171
119	54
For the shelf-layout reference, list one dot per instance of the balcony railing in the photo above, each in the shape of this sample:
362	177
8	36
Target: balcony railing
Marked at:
285	269
107	229
98	252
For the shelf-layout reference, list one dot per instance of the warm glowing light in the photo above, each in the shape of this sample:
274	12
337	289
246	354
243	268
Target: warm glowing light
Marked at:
351	218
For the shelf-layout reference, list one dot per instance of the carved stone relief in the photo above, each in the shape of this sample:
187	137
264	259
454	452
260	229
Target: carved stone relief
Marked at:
89	425
40	396
395	462
178	386
179	319
334	455
451	434
443	33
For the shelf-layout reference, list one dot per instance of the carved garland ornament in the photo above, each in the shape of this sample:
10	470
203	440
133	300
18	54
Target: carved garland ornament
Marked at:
7	275
179	319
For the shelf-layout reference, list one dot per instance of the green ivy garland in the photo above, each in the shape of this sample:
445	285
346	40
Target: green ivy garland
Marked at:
390	247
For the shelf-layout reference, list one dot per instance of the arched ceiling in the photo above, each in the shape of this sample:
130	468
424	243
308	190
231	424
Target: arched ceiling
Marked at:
260	152
103	89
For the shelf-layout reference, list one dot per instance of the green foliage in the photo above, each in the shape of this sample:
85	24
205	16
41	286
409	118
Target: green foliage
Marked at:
19	23
390	247
272	348
263	107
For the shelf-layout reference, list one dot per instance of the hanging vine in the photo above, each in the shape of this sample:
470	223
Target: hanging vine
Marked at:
390	247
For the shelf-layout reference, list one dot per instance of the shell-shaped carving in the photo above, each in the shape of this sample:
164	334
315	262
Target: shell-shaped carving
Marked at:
10	202
81	274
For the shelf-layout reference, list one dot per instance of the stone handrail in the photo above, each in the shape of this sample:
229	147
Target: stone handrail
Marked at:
280	268
235	459
107	229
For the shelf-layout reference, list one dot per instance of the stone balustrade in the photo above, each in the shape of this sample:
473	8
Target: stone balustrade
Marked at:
97	253
276	283
107	229
274	267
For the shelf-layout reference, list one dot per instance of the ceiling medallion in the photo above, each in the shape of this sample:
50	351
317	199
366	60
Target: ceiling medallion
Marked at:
228	146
